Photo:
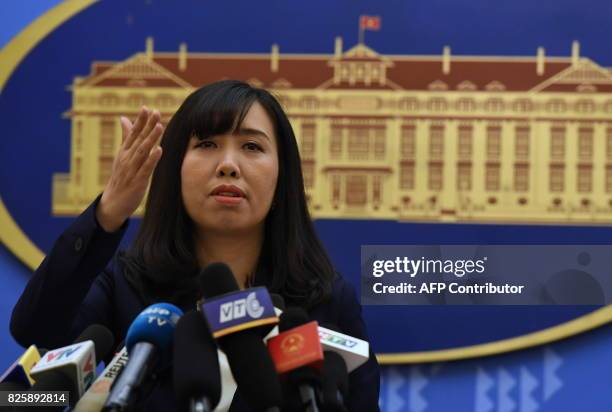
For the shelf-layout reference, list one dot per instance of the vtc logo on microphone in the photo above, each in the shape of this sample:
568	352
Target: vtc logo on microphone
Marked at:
239	309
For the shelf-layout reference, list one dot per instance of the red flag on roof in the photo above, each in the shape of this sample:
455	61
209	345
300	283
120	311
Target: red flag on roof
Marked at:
369	22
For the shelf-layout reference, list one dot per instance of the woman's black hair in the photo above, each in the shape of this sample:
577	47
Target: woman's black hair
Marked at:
161	262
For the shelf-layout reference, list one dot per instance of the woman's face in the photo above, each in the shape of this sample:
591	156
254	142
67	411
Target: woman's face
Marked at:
228	181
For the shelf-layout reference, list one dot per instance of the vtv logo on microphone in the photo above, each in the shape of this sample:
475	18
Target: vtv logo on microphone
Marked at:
239	308
63	353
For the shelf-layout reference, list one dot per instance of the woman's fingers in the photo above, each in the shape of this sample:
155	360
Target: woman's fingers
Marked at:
139	124
149	165
142	151
136	151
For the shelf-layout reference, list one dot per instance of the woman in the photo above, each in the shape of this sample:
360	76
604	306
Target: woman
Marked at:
226	186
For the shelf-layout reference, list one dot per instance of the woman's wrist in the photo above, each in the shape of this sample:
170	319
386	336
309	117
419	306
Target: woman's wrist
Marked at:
107	221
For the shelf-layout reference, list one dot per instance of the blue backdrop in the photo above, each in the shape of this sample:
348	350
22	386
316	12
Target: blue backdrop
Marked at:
559	377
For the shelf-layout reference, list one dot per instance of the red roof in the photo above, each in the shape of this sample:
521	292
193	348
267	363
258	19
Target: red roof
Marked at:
316	71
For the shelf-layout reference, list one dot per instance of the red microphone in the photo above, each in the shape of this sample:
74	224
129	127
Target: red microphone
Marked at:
298	355
296	347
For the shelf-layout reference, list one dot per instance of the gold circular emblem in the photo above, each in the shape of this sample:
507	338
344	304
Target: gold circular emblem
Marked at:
292	343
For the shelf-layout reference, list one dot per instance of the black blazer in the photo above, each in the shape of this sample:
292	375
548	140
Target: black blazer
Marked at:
81	282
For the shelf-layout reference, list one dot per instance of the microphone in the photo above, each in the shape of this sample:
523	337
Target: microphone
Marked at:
73	368
354	351
149	346
278	301
196	373
298	354
19	372
236	318
96	395
334	382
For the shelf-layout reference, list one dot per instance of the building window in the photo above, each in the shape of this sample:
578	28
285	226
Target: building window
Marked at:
494	105
108	100
106	166
310	103
609	142
584	183
556	106
521	177
358	142
435	176
557	178
585	143
436	141
336	184
379	143
335	143
407	175
136	100
409	104
492	177
356	190
77	170
557	143
437	104
464	176
164	100
107	136
609	178
466	105
308	172
585	106
376	189
522	105
408	144
522	142
308	139
493	142
465	141
79	136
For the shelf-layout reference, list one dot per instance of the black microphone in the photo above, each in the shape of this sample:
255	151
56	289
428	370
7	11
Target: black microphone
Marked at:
305	378
278	301
247	355
196	374
149	345
334	382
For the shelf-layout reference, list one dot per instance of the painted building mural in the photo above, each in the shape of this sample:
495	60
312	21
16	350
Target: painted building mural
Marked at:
433	138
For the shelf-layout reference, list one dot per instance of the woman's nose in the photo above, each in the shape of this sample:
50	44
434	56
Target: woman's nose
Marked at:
228	167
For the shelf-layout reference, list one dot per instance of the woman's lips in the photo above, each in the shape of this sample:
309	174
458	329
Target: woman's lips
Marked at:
228	200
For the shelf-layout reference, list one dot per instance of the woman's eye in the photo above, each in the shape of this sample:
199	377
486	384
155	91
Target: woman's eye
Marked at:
206	144
252	146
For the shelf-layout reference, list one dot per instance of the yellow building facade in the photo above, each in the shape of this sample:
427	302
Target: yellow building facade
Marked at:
415	138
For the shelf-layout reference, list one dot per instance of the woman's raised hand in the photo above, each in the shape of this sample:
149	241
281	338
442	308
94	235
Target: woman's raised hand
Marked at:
132	168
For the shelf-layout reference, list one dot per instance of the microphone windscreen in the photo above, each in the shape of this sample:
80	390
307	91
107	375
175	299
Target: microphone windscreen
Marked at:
196	370
155	325
216	279
102	338
253	369
291	318
335	378
278	301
